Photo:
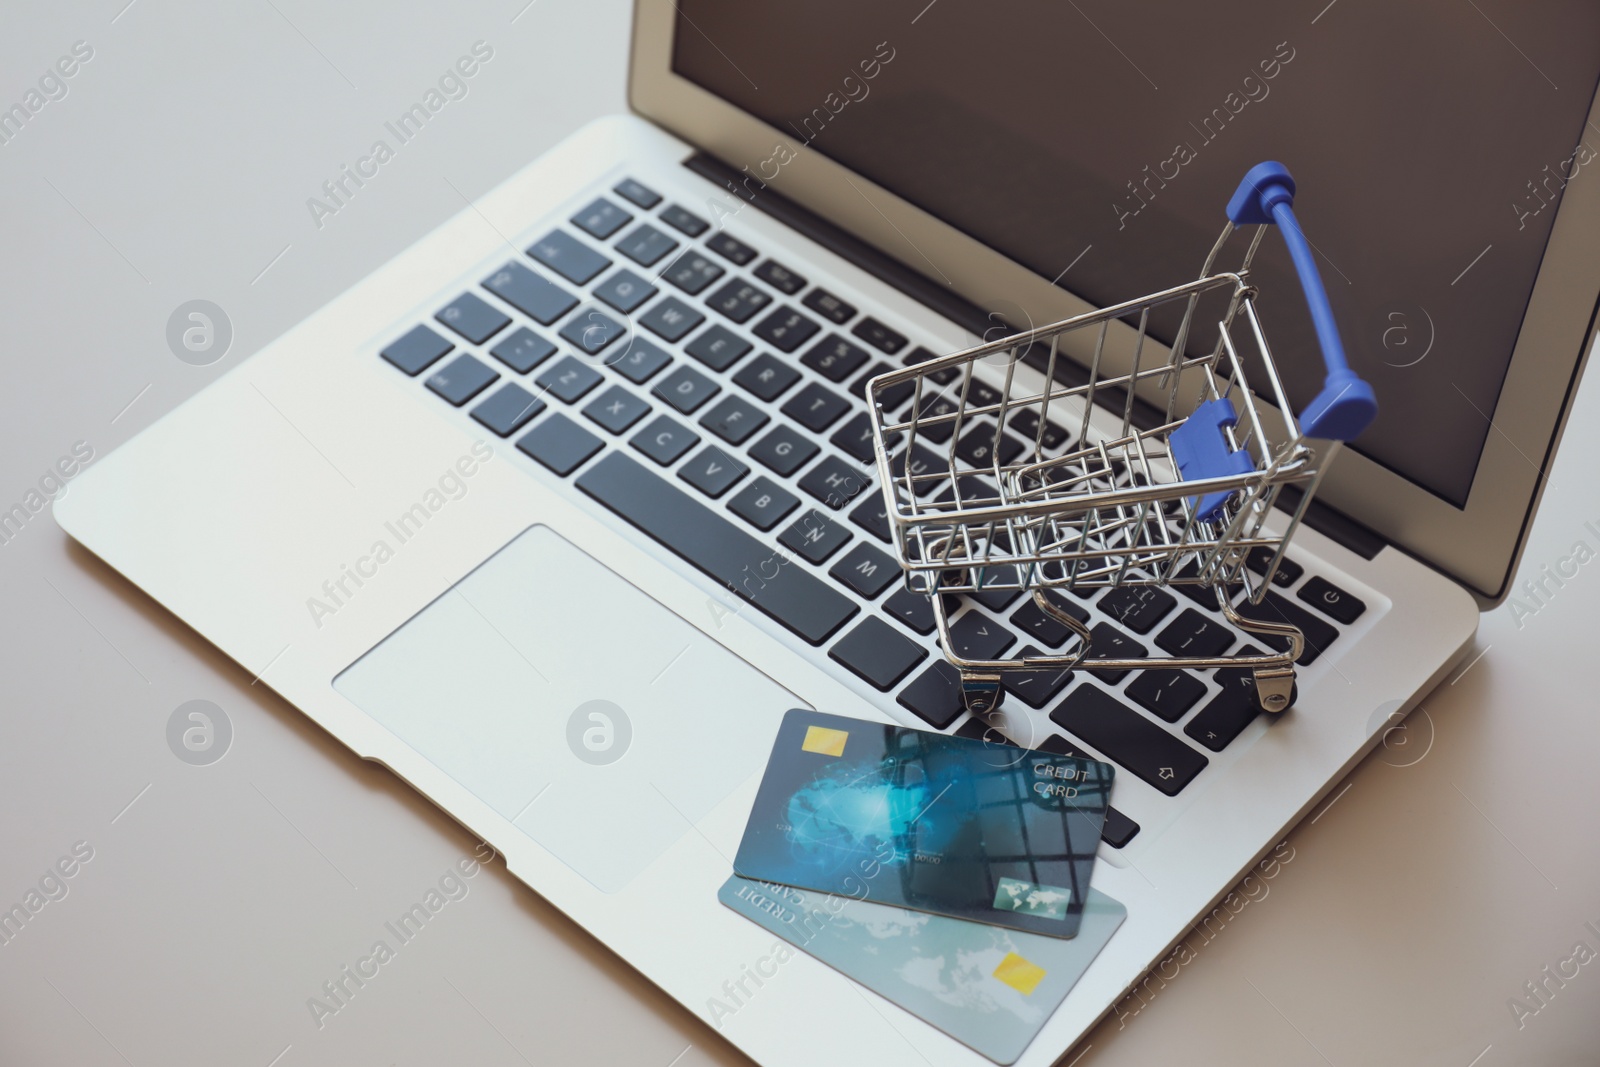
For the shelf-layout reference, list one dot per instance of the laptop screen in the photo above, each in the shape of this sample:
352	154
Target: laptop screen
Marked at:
1096	143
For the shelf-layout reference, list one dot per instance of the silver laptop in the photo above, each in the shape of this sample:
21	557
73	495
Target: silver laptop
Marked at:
543	515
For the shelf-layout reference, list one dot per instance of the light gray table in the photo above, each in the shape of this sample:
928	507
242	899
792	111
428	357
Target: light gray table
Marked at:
1443	876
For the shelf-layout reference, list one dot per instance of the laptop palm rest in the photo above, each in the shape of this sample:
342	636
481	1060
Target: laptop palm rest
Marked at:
599	722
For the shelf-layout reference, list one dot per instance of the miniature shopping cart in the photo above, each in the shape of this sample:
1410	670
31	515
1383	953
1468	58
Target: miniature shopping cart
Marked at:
1079	507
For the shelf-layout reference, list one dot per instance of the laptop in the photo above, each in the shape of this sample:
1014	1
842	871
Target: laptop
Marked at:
545	514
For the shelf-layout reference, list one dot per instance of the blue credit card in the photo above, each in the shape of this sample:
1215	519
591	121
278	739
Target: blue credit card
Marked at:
976	831
989	988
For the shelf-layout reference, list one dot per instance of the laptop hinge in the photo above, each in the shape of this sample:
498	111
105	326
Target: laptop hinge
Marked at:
1322	517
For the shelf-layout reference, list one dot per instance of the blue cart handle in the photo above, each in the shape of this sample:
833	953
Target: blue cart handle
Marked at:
1346	404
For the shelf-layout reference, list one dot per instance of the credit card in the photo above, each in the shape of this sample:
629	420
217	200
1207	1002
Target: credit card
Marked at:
989	988
960	827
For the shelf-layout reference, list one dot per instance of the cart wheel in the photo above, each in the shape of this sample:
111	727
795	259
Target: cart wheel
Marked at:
1276	689
981	693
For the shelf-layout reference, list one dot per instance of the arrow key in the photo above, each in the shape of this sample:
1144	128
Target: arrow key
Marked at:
1127	738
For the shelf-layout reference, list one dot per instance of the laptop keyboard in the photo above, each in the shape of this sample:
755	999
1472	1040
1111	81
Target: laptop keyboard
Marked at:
723	415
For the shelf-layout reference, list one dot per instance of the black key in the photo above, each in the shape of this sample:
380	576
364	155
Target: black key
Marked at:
418	350
829	306
531	293
616	409
980	395
881	656
718	348
728	248
814	536
590	331
923	355
767	377
638	360
692	272
922	461
664	441
816	408
686	389
1331	600
936	405
1277	608
1166	694
1035	688
879	336
866	570
1204	595
1108	642
1118	829
738	300
976	636
1031	619
625	291
461	379
522	350
1128	739
835	482
763	503
979	448
972	491
1026	423
889	398
1139	607
734	419
855	437
684	221
976	729
1191	634
783	450
645	245
1230	711
785	329
560	444
998	598
601	219
671	318
934	696
780	277
642	195
872	516
795	598
472	318
834	358
568	257
508	409
568	380
1289	571
912	608
713	471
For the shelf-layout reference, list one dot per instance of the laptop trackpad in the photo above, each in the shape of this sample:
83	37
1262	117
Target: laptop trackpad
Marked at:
599	722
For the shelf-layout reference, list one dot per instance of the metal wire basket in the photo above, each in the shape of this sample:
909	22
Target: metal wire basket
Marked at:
1007	484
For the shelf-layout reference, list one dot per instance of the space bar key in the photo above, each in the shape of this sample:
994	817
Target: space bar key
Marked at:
760	574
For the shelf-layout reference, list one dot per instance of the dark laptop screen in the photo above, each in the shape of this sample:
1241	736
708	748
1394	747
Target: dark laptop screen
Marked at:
1431	141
